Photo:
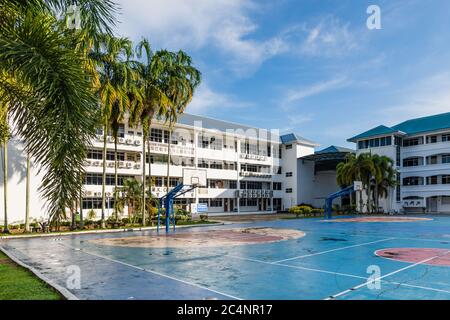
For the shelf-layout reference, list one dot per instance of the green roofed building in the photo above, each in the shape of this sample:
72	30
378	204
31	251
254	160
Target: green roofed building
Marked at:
420	149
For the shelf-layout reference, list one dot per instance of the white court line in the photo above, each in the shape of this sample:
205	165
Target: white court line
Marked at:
151	271
386	275
332	250
337	273
424	239
296	267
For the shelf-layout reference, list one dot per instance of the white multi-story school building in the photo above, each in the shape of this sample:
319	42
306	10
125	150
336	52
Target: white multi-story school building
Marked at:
248	169
420	149
252	170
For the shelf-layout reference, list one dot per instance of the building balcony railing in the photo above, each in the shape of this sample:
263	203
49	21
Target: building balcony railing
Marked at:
250	193
111	164
156	147
121	141
265	175
249	156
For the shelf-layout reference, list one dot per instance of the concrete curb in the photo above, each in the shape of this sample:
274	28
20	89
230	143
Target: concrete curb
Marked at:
60	234
63	291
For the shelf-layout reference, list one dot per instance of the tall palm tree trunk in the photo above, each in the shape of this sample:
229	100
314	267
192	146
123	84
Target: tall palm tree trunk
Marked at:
377	200
361	202
73	225
144	158
81	209
27	196
5	184
105	136
149	164
169	144
116	180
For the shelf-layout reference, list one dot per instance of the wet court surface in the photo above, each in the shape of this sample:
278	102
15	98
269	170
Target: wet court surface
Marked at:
333	260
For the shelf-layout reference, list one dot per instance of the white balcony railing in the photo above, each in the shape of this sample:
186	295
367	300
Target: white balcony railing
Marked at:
253	157
174	149
255	174
111	164
121	141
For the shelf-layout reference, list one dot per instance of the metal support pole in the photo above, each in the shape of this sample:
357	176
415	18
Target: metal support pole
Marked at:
174	221
167	205
159	216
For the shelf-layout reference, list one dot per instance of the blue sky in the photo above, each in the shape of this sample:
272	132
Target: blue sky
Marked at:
306	66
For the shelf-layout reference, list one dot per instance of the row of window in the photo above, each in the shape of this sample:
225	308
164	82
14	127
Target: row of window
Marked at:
96	154
429	139
254	185
438	138
218	165
418	161
97	178
255	168
120	132
213	203
419	181
96	203
222	184
374	143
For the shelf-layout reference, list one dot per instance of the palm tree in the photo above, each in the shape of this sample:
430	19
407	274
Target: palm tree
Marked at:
385	177
48	89
356	168
27	196
154	102
131	196
179	81
113	75
5	182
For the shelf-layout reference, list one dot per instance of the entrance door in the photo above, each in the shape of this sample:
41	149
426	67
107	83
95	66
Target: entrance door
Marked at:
231	205
226	205
432	204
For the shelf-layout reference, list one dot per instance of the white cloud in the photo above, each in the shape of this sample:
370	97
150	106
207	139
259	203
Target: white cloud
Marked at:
327	38
206	100
197	24
294	121
428	96
298	94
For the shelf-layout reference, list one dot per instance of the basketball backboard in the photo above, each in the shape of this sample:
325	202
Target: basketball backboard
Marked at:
357	185
194	177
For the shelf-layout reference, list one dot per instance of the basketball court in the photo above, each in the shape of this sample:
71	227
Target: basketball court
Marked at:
345	258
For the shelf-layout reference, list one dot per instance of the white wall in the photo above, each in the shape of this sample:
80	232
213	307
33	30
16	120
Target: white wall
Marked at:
17	186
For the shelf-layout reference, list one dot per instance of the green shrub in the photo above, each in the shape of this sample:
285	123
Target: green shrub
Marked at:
91	215
302	205
306	210
316	211
296	210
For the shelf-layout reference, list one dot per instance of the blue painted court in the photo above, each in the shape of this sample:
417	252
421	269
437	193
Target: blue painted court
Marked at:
331	261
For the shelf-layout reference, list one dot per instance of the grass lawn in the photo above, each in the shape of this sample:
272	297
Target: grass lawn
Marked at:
17	283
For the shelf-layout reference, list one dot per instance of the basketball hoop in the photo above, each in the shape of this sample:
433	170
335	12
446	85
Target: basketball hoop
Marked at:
194	177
